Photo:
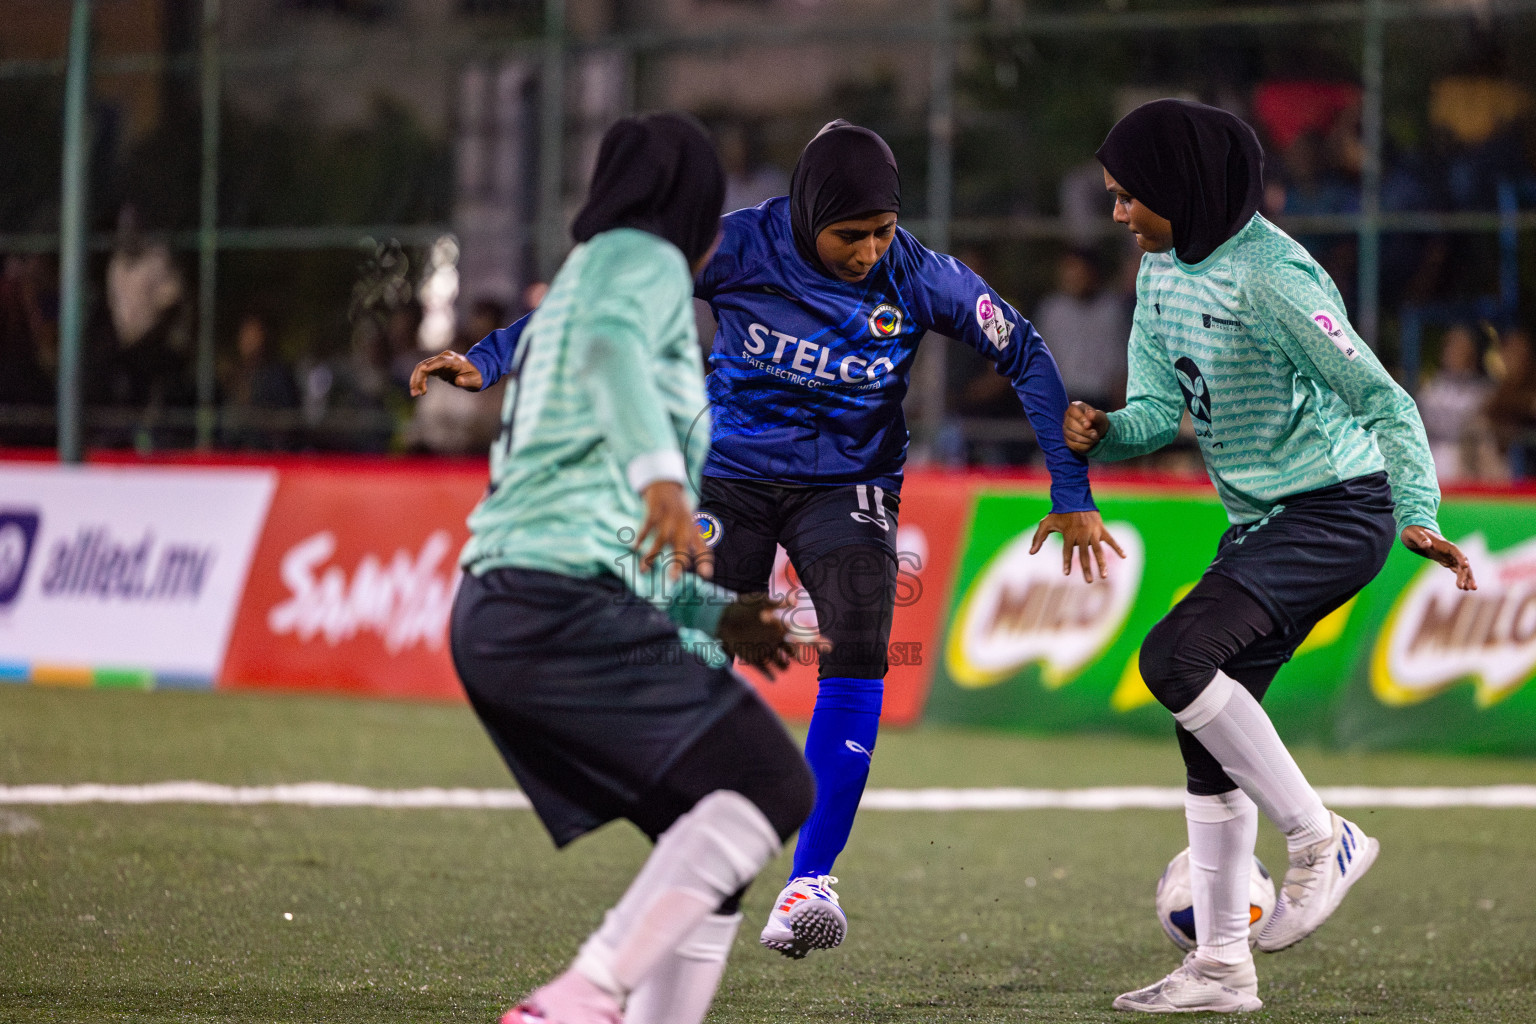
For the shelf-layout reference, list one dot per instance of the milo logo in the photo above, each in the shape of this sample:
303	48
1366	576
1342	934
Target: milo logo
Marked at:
1021	610
1438	636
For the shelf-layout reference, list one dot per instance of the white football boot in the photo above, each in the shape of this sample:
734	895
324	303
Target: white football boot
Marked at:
1199	986
1316	882
806	916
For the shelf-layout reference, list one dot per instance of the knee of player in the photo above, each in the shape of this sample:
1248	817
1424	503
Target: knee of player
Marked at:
1156	658
1172	670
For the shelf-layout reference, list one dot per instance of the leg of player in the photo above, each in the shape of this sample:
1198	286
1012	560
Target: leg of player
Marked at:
1209	628
661	951
751	746
853	590
1223	824
1223	829
683	749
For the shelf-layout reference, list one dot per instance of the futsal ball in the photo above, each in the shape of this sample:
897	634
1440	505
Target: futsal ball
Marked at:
1175	905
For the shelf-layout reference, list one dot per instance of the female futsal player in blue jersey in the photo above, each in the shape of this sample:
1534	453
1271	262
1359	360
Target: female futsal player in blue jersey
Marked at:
821	301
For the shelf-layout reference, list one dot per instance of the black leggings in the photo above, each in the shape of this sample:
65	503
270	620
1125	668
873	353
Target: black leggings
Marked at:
854	592
1219	625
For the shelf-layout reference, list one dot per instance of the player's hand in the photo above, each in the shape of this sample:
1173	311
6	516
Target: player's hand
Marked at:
1431	545
669	525
1081	532
755	632
1083	427
449	366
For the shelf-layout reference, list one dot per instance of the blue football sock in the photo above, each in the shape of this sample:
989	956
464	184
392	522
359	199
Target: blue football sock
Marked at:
838	748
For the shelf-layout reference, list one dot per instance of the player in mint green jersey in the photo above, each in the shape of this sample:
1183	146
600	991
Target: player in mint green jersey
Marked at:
585	656
1320	459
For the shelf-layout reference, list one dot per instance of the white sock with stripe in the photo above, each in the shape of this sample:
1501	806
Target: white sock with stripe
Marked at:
1222	832
1234	728
708	854
679	989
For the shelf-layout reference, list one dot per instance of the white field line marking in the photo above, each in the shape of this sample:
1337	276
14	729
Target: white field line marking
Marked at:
1105	798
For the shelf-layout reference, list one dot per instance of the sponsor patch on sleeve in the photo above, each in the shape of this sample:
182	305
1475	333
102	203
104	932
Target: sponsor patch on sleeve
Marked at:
990	316
1334	328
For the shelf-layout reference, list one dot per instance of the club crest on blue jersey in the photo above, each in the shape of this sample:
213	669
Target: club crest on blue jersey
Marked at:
885	321
709	528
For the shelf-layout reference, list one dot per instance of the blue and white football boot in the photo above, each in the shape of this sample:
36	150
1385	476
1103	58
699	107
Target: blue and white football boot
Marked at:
806	916
1316	882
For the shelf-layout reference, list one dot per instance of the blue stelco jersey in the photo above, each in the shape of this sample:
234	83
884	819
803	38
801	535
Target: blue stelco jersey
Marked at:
808	372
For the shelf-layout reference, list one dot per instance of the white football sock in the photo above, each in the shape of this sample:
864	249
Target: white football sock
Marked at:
709	853
1222	832
1230	724
679	989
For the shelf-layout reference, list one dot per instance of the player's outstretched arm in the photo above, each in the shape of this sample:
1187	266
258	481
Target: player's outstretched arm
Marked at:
449	366
1423	541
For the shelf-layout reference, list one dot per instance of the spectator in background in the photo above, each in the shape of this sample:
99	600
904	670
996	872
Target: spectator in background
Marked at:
1086	325
1478	113
449	420
1511	410
1312	122
749	177
1450	402
257	385
346	402
402	344
1287	109
152	319
29	338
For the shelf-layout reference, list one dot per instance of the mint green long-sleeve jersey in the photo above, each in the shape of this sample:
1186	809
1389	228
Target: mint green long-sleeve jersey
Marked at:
1283	394
605	397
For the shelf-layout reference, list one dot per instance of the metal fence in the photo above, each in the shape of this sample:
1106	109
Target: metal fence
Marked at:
939	44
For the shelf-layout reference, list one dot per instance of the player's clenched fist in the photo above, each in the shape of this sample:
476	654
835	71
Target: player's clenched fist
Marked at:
1083	427
449	366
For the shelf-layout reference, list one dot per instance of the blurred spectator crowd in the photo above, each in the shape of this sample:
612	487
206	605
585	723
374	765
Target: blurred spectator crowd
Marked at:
1450	301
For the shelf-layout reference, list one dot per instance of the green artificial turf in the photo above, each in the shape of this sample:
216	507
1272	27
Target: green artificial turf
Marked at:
176	913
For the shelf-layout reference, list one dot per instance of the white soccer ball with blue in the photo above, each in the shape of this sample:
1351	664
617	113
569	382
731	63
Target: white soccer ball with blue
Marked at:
1175	905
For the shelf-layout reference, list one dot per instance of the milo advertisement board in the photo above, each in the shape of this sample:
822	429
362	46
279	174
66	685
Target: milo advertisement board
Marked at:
1411	661
1445	667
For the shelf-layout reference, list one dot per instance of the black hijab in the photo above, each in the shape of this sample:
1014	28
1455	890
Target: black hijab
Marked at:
1200	167
845	171
658	173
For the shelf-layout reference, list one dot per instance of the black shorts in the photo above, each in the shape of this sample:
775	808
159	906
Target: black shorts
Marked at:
841	541
585	689
750	517
1315	551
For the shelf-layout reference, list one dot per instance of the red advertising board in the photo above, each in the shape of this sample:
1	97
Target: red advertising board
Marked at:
353	579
